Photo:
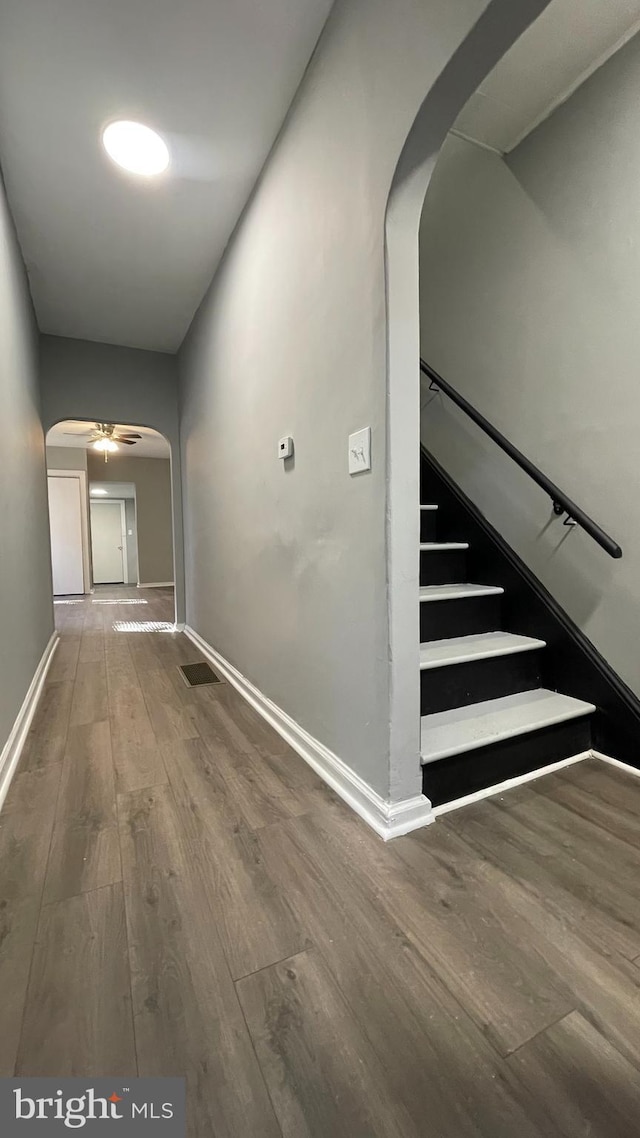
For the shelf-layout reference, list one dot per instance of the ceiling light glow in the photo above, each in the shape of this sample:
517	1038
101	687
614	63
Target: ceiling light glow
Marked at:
136	148
105	444
98	490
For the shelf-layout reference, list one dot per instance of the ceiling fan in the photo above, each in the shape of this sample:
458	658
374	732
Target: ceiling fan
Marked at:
106	437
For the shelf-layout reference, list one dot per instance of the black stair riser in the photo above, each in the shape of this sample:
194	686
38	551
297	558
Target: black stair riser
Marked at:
444	567
426	484
428	525
458	685
440	620
459	775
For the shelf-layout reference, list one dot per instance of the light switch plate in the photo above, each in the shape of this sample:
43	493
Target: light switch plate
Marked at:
285	447
360	451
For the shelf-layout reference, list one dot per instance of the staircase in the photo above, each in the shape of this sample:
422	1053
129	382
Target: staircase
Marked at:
486	714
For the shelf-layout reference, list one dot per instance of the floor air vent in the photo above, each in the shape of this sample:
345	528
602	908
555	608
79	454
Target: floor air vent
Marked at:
195	675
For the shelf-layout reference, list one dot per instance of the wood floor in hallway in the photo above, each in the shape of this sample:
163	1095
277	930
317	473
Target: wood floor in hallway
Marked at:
181	895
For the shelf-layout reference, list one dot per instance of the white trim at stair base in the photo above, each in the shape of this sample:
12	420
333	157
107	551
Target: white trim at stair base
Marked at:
388	819
13	747
156	585
616	763
509	783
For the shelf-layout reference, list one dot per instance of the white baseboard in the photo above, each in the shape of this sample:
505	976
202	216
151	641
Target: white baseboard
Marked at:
616	763
155	585
13	747
500	787
388	819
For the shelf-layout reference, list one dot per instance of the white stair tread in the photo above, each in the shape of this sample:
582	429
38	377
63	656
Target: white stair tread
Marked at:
441	546
457	592
467	728
481	646
428	507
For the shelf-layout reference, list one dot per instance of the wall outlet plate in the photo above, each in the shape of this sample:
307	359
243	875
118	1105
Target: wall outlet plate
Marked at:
360	451
285	447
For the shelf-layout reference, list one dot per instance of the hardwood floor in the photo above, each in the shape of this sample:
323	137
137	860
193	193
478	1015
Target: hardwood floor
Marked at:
181	895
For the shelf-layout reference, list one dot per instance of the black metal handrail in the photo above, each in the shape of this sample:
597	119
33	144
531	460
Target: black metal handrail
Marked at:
562	504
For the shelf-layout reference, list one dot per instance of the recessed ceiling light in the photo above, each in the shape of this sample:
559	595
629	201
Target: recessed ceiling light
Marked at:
136	147
98	490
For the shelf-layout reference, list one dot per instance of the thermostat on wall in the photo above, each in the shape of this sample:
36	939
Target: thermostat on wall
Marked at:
285	447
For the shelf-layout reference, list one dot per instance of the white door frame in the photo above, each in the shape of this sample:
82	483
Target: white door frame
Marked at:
123	530
81	475
125	545
134	534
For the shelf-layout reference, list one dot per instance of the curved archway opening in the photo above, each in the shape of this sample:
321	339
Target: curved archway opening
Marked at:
112	517
498	28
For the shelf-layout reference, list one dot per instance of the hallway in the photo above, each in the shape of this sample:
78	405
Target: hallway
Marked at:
180	894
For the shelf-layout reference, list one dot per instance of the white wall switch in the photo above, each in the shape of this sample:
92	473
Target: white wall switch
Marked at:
285	447
360	451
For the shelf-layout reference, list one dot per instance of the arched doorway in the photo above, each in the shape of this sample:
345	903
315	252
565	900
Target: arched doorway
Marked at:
110	504
497	29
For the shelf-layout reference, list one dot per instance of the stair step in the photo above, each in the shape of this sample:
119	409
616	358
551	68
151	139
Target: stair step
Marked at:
481	724
457	592
442	546
468	649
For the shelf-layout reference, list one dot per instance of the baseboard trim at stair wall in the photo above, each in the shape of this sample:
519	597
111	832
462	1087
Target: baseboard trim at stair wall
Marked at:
10	756
509	783
156	585
388	819
616	763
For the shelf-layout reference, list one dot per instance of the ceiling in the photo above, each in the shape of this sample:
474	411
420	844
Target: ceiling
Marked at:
111	257
73	433
566	44
125	260
112	489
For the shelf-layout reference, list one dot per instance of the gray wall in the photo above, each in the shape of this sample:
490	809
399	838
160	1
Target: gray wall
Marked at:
84	380
152	480
66	458
287	572
26	612
530	291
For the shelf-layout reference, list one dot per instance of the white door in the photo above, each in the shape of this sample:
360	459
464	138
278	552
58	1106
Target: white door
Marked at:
65	521
107	542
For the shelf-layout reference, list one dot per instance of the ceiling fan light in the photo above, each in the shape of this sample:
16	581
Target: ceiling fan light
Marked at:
105	445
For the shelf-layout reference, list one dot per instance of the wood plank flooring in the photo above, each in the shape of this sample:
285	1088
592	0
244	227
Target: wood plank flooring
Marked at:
181	895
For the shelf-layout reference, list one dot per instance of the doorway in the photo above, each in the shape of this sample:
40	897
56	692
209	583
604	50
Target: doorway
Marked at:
127	497
114	536
109	542
65	520
69	530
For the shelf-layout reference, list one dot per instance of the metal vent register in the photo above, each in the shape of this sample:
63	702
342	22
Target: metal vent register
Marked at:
195	675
